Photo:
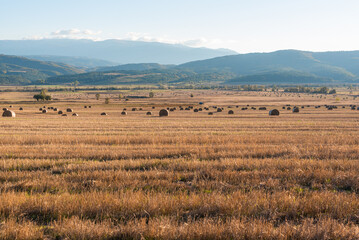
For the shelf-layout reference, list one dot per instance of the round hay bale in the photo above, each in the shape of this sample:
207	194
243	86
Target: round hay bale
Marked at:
69	110
289	108
21	109
210	113
200	109
295	110
124	113
55	109
75	115
153	107
89	106
64	115
124	109
262	108
134	109
230	112
103	114
8	113
195	110
163	113
49	108
283	108
44	111
85	106
148	113
59	112
40	109
219	110
10	106
140	109
274	112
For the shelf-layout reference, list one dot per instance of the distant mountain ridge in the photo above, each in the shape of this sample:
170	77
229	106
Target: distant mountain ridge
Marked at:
80	62
120	51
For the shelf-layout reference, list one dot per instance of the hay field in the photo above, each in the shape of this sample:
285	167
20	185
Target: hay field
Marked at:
186	176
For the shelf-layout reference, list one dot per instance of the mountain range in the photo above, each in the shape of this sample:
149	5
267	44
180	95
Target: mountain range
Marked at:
117	51
279	67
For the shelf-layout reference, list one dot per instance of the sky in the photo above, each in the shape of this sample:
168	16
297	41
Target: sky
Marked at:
241	25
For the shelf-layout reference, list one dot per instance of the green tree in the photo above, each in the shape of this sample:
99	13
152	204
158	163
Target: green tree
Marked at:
107	100
97	96
333	91
151	94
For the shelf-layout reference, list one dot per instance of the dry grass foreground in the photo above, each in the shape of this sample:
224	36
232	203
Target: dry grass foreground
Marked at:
186	176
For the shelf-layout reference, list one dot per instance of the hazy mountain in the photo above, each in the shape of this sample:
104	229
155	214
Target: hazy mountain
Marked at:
19	70
134	66
120	51
81	62
322	65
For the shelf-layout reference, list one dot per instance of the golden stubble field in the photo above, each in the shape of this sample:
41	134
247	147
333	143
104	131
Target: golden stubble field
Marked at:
186	176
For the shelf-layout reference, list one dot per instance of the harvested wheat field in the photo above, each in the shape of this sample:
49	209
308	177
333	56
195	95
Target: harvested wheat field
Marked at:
189	175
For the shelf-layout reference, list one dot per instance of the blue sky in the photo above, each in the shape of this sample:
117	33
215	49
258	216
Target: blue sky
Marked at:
244	26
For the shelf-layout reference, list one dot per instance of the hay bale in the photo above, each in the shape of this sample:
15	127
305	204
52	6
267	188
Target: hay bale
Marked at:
163	113
195	110
148	113
219	109
230	112
103	114
210	113
59	112
134	109
75	115
262	108
44	111
85	106
124	113
64	115
8	113
55	109
274	112
89	106
21	109
40	109
295	110
69	110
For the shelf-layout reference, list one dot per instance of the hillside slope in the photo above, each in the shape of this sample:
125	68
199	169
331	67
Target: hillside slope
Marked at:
19	70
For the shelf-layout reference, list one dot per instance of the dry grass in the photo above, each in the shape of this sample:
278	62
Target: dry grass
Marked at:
186	176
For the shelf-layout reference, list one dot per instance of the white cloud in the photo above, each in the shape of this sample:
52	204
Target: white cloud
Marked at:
74	31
